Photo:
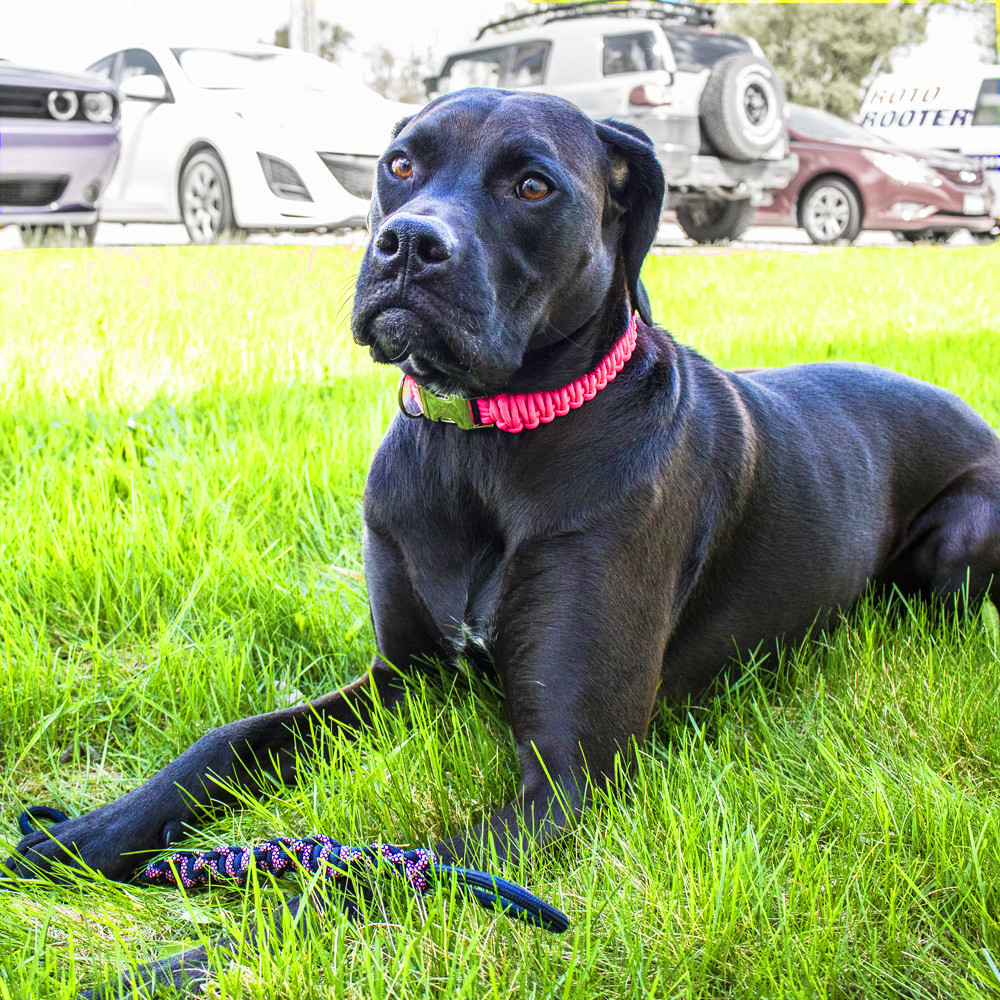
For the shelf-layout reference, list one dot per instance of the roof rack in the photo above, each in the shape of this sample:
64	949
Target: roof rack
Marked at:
678	11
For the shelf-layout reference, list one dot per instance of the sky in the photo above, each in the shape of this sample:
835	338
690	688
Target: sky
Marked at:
70	34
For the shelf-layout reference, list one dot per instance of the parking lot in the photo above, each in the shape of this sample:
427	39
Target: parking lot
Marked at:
669	240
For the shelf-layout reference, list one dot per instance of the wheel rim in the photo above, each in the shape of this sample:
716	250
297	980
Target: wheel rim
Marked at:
202	198
828	213
755	104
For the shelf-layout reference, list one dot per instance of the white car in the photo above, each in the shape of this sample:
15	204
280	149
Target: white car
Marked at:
257	138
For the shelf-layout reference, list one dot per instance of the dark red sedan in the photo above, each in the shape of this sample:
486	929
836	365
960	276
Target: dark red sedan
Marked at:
849	180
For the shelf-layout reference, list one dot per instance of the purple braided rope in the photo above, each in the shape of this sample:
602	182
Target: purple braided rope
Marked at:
232	865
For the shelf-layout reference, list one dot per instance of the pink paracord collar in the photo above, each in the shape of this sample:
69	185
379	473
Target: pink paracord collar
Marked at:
526	410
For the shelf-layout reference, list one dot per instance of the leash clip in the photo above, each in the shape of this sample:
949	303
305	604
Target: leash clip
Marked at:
416	401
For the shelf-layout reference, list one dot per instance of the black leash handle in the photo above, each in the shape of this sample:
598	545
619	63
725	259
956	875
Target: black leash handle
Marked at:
493	892
24	821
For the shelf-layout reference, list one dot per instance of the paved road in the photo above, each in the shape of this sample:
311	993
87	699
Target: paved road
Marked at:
670	238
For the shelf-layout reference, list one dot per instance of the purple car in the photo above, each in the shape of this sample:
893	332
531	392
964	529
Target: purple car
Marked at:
58	146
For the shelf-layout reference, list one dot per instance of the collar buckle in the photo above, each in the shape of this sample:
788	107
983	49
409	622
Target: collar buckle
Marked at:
455	410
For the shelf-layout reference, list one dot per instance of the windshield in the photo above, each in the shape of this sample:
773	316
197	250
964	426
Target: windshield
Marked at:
228	69
818	124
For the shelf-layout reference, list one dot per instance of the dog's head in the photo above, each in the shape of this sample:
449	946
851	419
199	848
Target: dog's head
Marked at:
501	223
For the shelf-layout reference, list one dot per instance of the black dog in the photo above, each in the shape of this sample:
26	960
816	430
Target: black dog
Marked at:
629	548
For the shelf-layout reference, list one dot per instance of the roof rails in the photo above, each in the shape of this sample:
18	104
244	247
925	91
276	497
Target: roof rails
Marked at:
677	11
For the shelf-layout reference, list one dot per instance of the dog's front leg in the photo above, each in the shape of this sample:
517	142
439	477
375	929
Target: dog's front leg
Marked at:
117	838
579	640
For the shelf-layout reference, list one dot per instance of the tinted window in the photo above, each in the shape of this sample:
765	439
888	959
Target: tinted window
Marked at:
105	66
695	50
816	124
473	69
635	53
138	62
988	103
527	68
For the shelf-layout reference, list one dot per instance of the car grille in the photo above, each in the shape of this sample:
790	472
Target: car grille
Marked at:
24	102
355	173
31	192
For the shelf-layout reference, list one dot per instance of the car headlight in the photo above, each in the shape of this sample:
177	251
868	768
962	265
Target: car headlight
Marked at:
902	168
99	106
63	104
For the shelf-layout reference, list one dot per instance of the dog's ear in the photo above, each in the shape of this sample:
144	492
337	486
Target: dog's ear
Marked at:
635	183
400	125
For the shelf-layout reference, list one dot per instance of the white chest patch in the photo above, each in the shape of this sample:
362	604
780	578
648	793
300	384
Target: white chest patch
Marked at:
466	636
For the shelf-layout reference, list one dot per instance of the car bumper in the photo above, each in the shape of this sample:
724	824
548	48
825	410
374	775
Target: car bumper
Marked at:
754	180
331	205
943	221
963	210
944	205
54	172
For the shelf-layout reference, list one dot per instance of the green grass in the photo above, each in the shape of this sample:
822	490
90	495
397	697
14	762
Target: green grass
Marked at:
183	443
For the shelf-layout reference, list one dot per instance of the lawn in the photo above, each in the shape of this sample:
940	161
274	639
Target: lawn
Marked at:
183	443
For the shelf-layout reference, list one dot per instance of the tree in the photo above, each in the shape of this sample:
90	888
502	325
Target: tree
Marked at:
396	79
333	39
826	53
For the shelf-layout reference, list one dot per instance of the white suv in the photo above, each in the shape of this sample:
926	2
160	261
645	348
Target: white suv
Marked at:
711	103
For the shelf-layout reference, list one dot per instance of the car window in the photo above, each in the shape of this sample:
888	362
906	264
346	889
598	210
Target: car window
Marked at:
270	71
527	68
818	124
695	50
104	67
988	103
473	69
138	62
634	53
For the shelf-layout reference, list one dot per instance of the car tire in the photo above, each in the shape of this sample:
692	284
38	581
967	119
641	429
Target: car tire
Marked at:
742	108
715	221
830	212
205	198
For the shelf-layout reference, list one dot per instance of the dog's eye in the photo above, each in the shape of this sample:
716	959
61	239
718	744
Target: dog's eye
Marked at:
401	168
532	188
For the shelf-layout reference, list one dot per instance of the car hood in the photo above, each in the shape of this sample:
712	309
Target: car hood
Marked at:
941	158
944	159
25	76
327	122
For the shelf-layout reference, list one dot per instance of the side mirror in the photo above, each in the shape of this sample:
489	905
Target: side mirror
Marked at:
143	88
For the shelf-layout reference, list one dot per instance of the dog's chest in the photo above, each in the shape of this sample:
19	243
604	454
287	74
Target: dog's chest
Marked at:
463	602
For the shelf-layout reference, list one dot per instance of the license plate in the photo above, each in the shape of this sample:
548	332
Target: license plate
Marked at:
974	204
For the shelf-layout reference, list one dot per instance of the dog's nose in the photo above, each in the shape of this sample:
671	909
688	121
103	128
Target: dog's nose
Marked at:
411	244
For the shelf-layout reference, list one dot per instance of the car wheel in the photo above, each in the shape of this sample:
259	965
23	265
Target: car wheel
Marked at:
742	107
713	221
205	199
830	212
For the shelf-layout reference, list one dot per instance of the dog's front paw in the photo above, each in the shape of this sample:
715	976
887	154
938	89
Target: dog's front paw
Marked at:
186	972
109	840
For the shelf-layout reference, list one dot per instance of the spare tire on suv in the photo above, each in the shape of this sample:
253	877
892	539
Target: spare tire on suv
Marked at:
742	108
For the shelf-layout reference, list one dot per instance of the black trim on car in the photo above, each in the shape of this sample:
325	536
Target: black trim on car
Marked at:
17	101
31	190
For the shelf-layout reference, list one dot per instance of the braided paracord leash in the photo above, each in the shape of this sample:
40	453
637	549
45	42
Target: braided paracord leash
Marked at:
231	865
